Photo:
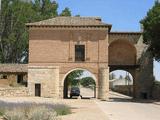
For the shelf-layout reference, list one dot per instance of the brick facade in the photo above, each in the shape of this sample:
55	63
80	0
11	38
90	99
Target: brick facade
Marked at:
52	53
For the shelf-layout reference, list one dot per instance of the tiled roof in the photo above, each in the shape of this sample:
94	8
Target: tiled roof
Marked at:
13	68
70	21
125	32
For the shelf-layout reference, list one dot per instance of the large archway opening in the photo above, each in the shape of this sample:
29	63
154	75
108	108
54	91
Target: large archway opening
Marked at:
121	83
79	83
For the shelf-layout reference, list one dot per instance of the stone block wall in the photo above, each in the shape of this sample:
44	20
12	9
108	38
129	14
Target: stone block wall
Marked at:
47	77
144	77
126	90
14	92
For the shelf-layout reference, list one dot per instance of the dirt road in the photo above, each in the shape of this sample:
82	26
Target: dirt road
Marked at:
121	107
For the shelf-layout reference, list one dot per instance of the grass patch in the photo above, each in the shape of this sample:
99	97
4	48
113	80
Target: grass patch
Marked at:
63	110
2	111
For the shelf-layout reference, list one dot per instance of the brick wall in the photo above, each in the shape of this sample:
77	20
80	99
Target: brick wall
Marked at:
57	46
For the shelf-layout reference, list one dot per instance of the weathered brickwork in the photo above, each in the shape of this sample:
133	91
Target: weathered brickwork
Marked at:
49	47
128	52
52	54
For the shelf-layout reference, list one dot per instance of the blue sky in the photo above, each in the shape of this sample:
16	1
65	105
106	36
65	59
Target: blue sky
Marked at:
124	15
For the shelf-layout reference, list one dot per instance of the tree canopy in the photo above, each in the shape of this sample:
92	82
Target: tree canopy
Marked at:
66	12
14	15
151	25
87	81
74	77
14	37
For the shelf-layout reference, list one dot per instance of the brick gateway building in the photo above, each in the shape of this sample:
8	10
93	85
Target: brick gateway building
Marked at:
60	45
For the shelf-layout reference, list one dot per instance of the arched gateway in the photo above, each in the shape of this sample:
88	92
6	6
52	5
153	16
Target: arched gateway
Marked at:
61	44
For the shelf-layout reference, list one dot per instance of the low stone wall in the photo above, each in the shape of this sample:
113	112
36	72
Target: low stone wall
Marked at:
14	92
156	92
126	90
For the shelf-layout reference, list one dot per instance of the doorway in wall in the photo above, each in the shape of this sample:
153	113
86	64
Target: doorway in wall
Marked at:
38	90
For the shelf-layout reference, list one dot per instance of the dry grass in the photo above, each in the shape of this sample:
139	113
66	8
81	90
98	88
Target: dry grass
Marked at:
32	111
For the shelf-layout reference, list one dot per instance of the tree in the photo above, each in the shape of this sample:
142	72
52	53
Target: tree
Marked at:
73	78
87	81
66	12
14	36
151	24
45	9
14	15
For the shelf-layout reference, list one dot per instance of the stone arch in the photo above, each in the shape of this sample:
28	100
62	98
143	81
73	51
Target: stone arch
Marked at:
127	88
130	70
124	69
71	70
122	52
79	68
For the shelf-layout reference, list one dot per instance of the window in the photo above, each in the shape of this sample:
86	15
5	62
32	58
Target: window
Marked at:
4	76
79	53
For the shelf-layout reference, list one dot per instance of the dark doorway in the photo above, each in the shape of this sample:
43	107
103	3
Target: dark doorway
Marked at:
144	95
38	90
19	78
65	89
79	53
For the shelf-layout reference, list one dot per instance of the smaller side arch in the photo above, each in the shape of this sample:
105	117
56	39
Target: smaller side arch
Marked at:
122	81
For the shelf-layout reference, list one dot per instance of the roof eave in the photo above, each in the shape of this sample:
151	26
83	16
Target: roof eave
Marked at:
34	25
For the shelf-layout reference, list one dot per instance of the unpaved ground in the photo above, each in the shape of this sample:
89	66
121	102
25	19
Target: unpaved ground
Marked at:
87	92
82	109
121	107
85	110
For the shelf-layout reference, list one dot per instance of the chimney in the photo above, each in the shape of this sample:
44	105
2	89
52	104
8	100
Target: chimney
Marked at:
98	19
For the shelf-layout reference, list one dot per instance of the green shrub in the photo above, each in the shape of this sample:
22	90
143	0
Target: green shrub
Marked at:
64	110
87	82
2	111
